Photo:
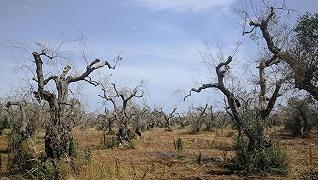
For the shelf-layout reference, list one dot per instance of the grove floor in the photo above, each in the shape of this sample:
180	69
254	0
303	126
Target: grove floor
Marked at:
154	155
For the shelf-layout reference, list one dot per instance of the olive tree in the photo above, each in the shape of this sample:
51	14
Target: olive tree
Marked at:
300	116
167	117
257	137
297	48
58	136
122	112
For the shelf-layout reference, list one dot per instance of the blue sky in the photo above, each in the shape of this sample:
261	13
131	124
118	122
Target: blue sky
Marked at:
160	40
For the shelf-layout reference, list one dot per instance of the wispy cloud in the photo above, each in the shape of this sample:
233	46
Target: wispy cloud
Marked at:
184	5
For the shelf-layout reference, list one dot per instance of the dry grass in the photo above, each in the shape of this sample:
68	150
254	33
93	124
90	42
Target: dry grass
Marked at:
3	147
154	156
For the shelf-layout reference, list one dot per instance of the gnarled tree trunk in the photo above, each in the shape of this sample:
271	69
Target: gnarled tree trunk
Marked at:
58	137
256	136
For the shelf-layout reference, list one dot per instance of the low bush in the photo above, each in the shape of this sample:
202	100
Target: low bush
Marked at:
26	162
269	160
22	152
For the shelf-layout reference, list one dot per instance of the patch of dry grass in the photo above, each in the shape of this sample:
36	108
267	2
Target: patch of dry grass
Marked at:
154	155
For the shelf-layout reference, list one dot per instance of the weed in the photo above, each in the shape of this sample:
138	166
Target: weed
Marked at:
117	168
199	159
133	144
178	145
134	172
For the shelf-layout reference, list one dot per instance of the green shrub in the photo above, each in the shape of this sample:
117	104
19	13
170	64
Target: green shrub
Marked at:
22	153
269	160
48	169
42	170
24	161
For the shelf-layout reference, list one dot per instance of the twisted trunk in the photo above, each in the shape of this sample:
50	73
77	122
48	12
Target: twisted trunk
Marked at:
257	138
58	137
303	76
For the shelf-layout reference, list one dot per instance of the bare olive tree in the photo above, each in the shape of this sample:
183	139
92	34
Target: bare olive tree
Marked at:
121	111
300	52
182	120
212	118
141	119
167	117
256	136
58	136
108	125
200	117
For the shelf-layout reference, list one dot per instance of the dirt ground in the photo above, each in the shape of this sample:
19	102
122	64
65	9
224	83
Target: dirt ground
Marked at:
154	156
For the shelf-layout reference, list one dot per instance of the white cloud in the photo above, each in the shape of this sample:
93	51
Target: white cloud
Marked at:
184	5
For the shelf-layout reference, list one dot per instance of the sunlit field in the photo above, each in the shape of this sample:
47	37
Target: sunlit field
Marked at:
155	157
